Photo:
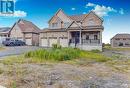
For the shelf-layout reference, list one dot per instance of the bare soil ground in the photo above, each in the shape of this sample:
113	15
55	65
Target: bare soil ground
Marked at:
63	75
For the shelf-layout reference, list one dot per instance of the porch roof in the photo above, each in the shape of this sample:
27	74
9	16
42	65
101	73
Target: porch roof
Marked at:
4	30
53	30
87	28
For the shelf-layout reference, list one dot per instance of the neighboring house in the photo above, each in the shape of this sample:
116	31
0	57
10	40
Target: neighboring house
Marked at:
121	40
4	33
81	31
25	31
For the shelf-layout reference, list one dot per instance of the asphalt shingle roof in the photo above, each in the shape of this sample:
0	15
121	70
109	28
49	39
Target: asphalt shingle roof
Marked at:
27	26
78	17
122	36
5	29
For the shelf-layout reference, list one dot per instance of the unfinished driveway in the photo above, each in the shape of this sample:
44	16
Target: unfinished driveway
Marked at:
17	50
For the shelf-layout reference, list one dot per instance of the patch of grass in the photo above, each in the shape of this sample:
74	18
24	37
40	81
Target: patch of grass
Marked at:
116	49
67	55
1	71
64	54
13	59
120	65
96	51
54	54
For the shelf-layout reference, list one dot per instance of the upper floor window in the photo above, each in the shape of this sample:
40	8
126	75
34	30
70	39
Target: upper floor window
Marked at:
66	24
117	39
124	38
54	24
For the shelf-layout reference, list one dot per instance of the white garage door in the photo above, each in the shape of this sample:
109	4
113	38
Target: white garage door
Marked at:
44	42
52	41
64	42
28	41
2	39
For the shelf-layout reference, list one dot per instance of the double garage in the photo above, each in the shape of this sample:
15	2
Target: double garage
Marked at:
48	42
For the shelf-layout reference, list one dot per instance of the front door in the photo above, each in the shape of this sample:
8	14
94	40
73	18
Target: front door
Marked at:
75	37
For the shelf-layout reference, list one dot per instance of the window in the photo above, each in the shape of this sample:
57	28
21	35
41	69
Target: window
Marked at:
117	39
87	37
54	24
124	39
95	37
127	44
120	44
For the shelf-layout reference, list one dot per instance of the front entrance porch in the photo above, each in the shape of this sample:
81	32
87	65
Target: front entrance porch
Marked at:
87	40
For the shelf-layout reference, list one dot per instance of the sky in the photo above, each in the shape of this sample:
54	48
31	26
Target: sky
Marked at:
115	13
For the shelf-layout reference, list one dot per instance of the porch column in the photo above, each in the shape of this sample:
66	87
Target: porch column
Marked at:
100	37
68	38
80	38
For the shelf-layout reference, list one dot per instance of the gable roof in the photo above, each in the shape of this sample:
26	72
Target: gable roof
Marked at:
74	22
77	17
56	14
95	15
53	30
5	29
123	35
27	26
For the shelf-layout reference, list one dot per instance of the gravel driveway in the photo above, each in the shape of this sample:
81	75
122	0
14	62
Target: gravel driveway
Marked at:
17	50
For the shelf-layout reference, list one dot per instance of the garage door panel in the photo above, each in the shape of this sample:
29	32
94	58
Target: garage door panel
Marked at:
28	41
64	42
44	42
52	41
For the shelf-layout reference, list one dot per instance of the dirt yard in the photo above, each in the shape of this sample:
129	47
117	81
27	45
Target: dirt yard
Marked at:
82	74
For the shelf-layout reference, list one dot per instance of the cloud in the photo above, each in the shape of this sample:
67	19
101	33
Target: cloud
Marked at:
73	8
15	14
84	12
20	14
121	11
102	10
90	4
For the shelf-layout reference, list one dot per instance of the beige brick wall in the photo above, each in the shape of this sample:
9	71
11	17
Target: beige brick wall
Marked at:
16	32
115	43
92	17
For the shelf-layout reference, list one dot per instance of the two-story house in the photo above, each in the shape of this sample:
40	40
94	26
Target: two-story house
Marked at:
81	31
120	40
